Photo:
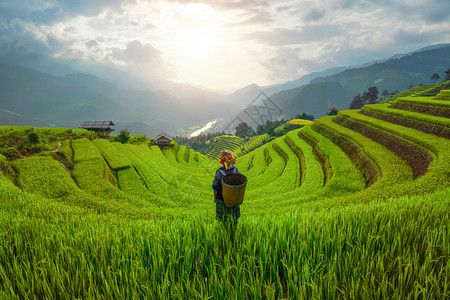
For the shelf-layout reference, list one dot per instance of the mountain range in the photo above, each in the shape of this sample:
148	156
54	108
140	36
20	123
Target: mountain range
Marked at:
317	92
32	96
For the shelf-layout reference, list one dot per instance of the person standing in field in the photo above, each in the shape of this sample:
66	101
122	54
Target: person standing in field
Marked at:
222	211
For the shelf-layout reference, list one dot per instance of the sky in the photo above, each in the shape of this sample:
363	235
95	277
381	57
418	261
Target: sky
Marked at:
218	44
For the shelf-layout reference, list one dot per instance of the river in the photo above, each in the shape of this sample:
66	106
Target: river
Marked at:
204	128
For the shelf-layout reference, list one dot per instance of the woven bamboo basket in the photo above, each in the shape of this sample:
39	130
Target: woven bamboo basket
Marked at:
233	189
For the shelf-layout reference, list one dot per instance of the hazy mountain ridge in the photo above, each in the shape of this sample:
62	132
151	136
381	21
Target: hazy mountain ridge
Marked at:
393	74
12	119
68	100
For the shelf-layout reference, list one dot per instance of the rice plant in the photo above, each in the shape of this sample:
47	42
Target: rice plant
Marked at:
102	220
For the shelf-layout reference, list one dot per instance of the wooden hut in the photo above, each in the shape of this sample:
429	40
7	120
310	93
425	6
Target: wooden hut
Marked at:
163	141
102	127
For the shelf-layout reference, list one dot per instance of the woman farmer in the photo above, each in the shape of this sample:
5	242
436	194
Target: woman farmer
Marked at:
222	211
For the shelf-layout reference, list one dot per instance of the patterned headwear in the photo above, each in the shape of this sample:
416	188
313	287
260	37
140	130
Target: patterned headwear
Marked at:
227	159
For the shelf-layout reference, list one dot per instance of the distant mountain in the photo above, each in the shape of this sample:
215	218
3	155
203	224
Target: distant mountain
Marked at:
339	89
395	74
314	99
121	79
243	97
12	119
273	89
38	62
434	47
68	100
138	128
66	97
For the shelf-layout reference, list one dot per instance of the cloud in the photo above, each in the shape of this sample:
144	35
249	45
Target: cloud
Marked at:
306	34
437	12
291	63
24	37
280	39
92	44
58	10
315	14
256	19
249	5
284	65
89	8
414	36
49	15
144	59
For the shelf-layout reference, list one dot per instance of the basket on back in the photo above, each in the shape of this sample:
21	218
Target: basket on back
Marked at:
233	189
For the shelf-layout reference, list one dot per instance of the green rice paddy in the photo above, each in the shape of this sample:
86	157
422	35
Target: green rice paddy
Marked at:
351	207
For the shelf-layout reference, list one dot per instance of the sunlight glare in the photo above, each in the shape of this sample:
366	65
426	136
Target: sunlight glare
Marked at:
198	11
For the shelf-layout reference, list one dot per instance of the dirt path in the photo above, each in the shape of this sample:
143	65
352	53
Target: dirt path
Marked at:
59	146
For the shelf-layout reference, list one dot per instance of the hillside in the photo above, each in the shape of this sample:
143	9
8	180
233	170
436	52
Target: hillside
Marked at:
66	101
395	74
10	118
352	206
339	89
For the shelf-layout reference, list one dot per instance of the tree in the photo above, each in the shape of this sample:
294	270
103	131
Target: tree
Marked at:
385	93
357	102
372	95
124	136
244	130
260	129
304	116
271	130
368	97
33	137
333	111
435	77
447	77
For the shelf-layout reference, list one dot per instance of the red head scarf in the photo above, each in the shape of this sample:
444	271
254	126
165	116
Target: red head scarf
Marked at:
227	159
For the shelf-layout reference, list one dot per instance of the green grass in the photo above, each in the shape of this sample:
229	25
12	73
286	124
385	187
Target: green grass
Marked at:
228	142
393	249
115	159
443	95
238	146
49	180
102	220
44	130
346	178
84	150
130	182
425	101
418	91
439	171
384	108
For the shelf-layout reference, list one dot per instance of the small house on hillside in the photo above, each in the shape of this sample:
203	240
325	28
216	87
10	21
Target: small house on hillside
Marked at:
102	127
163	141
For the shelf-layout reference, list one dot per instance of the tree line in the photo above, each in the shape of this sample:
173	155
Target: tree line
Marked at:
244	130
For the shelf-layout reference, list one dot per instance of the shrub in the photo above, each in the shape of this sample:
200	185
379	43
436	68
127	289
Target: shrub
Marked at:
124	136
10	153
33	137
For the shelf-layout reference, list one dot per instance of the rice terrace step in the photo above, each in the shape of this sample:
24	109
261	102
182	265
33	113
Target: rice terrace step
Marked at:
364	190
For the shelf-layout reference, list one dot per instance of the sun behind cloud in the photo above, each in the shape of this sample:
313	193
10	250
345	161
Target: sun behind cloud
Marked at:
197	33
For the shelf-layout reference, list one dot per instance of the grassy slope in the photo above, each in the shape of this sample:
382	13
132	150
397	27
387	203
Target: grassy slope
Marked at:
382	249
146	230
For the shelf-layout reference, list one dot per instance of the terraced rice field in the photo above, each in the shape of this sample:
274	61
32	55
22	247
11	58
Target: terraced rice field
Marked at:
239	146
353	206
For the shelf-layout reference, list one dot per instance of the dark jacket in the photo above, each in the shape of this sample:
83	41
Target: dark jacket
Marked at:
217	183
